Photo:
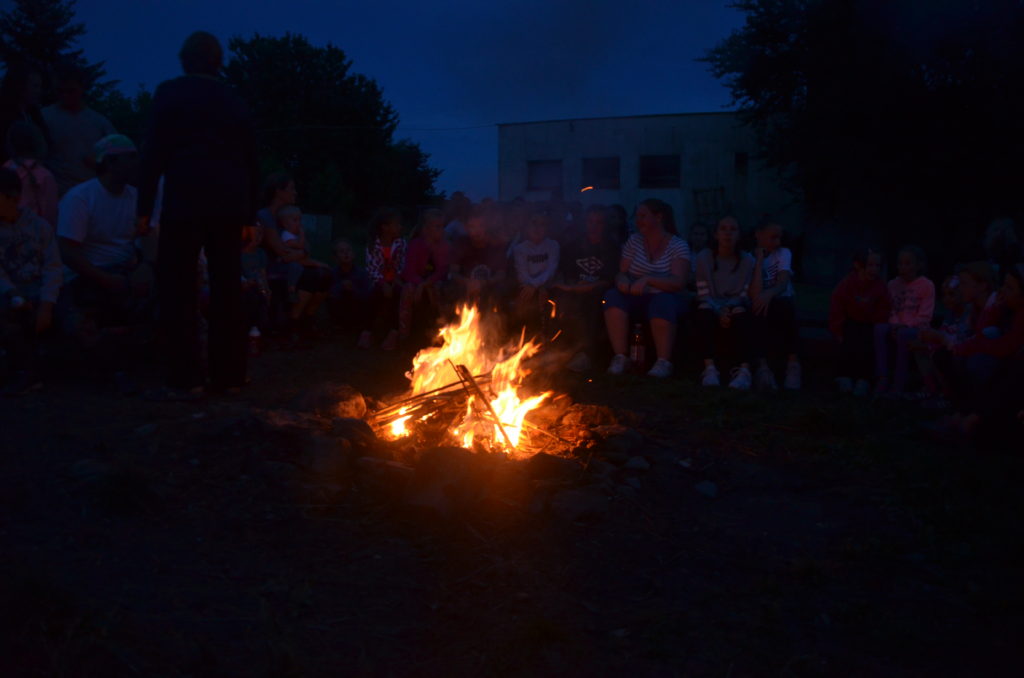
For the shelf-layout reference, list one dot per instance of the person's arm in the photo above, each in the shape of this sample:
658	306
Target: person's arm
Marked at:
519	256
72	229
1004	346
837	310
757	282
155	152
414	262
442	263
923	317
272	241
374	263
705	284
53	267
48	198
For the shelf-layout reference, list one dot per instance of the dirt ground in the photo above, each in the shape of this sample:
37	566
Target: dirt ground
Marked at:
783	535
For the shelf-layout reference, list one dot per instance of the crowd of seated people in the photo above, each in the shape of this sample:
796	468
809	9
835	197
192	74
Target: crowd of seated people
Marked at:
73	261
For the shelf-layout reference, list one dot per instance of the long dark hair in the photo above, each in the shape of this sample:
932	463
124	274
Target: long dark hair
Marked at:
714	245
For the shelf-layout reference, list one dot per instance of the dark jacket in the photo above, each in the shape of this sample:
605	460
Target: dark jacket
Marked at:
202	139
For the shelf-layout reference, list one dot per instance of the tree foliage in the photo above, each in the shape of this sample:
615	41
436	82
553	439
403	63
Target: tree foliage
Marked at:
894	112
44	33
329	127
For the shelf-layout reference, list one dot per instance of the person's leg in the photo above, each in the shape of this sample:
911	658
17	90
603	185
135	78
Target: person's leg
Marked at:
663	311
616	320
856	351
881	341
227	348
904	336
178	290
405	311
742	329
706	325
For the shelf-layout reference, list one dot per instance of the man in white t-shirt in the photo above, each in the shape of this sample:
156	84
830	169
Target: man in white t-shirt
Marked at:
74	130
96	231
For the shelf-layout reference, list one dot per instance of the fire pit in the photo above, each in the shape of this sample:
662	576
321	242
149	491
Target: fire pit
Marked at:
468	391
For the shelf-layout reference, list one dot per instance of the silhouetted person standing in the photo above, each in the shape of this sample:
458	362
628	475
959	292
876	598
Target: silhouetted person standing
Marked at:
202	140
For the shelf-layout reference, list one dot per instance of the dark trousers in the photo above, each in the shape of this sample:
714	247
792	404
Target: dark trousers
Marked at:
715	342
999	428
18	337
383	315
969	377
178	282
580	316
857	351
348	310
777	332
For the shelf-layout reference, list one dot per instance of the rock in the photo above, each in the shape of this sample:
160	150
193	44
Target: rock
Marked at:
430	499
146	429
707	488
381	475
600	469
544	465
578	504
332	400
620	442
327	457
549	413
588	416
355	430
634	483
637	464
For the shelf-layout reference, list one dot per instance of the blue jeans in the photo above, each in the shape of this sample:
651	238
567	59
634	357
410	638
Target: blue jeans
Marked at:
664	305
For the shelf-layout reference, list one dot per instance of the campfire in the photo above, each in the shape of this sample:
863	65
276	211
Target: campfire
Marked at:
467	391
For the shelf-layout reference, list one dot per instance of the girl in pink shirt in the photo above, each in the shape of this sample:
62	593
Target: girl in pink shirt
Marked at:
38	185
426	269
912	303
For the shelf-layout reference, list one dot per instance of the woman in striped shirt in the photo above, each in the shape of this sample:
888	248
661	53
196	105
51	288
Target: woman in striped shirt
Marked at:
652	274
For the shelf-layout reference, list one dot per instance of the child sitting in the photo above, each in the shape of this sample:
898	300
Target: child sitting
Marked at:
30	280
255	286
479	264
308	279
385	258
425	270
38	185
536	260
912	297
723	282
955	328
350	290
588	268
771	290
858	304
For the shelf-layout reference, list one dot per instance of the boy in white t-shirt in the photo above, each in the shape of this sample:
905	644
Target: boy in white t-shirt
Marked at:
771	289
536	261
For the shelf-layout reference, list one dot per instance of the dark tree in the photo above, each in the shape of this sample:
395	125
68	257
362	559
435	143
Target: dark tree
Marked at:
893	114
44	32
331	128
128	114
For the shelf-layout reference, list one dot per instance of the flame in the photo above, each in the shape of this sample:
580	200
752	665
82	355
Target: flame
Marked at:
398	428
463	343
554	308
586	188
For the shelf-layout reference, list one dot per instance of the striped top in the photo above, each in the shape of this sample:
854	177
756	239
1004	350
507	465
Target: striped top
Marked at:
641	265
773	264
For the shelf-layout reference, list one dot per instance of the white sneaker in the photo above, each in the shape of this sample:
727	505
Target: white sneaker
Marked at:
862	389
793	376
741	379
709	377
579	363
619	364
845	384
765	379
661	369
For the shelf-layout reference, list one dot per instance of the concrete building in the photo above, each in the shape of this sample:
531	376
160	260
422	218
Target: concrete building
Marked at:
702	164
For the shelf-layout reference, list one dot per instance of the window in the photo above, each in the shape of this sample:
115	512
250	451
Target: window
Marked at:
601	172
543	175
741	164
659	171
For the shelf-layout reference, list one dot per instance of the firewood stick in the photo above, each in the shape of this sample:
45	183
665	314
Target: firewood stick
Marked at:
420	396
474	388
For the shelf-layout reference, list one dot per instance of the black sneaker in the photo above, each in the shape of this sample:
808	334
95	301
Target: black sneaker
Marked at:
21	384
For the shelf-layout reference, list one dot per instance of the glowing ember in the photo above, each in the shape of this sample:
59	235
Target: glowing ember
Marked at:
464	343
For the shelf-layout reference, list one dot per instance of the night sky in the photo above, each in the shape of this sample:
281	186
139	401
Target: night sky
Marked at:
454	63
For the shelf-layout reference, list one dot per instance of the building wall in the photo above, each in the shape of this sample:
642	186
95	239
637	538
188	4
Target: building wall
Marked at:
707	143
